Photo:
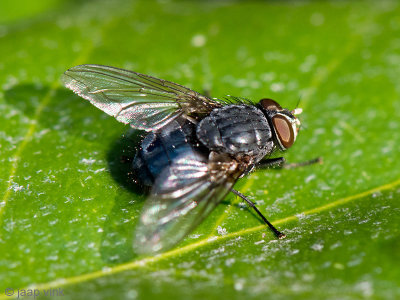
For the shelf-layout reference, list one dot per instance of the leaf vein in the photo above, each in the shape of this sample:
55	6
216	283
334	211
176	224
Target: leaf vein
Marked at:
30	132
23	144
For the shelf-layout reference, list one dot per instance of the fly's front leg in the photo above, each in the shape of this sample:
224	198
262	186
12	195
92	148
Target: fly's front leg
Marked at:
280	162
317	160
271	162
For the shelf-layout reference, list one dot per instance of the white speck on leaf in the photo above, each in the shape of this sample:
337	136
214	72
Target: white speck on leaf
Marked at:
307	65
106	270
199	40
16	187
260	202
195	236
87	161
366	288
336	245
277	87
239	284
99	170
221	231
268	76
376	194
219	250
355	262
131	294
229	262
309	178
54	222
52	257
295	251
300	216
317	247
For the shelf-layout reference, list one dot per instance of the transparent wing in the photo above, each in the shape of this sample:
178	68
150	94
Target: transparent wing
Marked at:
143	101
182	196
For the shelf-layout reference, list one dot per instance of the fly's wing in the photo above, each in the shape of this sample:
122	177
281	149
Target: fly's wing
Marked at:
182	196
143	101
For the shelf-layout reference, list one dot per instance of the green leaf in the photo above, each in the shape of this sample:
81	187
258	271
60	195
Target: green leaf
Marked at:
68	208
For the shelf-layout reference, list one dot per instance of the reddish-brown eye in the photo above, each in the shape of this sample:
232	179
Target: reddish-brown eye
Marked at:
284	130
270	104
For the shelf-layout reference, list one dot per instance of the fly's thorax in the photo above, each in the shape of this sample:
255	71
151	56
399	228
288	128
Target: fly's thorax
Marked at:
284	124
236	130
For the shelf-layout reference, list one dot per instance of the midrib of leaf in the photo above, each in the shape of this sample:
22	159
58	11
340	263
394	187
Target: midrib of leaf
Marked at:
137	264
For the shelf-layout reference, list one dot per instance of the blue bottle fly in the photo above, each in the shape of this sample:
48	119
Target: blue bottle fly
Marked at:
196	147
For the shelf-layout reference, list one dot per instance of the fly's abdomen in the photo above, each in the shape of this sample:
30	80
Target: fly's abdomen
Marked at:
159	149
236	129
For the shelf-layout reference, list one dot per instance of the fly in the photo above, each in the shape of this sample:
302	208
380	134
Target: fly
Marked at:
196	147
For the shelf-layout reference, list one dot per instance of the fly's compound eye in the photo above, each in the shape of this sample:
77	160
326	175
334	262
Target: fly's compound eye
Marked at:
285	131
270	104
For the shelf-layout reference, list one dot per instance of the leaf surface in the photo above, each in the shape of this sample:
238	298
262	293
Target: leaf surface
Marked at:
68	208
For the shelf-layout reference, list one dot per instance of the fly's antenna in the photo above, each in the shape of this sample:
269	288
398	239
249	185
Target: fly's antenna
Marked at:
298	102
297	110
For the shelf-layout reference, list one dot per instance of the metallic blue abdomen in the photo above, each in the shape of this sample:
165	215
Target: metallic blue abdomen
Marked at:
159	149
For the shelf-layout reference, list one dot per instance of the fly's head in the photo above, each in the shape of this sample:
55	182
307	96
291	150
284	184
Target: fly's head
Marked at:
284	123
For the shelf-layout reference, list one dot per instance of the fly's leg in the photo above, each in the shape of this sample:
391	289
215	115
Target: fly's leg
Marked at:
271	162
281	163
279	234
317	160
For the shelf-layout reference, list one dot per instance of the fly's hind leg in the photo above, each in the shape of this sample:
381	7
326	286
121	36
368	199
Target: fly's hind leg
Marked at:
271	163
279	234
